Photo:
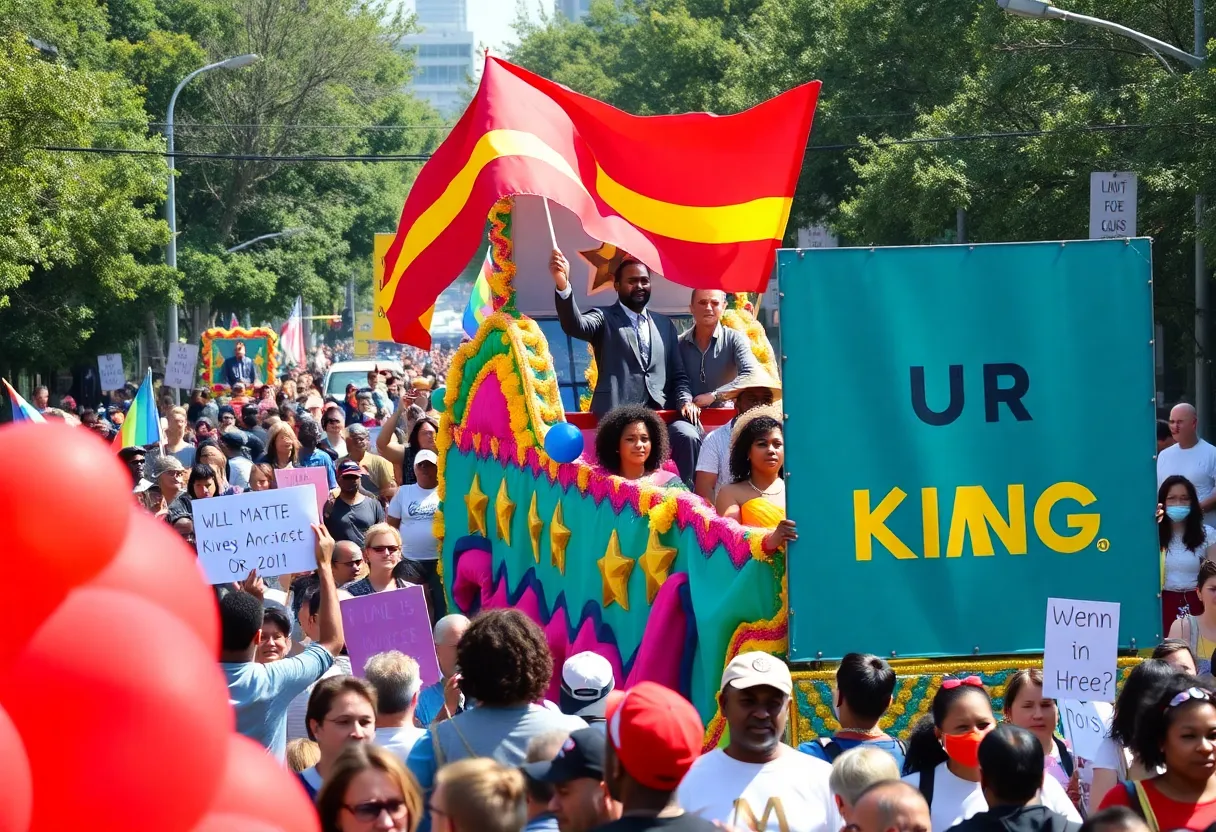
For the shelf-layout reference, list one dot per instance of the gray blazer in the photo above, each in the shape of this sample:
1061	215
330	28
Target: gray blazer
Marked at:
622	378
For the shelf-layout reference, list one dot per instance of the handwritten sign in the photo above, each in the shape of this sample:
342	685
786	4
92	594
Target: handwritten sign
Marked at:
179	371
263	530
1086	725
394	620
110	368
315	478
1081	650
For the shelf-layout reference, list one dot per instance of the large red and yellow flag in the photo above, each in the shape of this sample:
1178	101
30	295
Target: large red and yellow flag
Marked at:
699	198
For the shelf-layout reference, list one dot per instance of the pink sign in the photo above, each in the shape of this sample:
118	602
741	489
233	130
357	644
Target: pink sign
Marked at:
393	620
316	477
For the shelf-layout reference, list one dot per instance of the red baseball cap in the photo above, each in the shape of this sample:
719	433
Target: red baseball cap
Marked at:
656	733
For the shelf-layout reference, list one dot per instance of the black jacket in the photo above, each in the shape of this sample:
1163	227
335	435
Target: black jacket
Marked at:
1017	819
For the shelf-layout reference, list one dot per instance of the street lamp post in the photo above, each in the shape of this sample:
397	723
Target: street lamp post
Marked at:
1045	10
171	200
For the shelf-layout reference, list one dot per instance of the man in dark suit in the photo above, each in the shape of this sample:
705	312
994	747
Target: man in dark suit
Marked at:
636	354
238	368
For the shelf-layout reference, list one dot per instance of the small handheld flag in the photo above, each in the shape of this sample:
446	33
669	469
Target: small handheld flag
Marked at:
481	302
142	424
23	411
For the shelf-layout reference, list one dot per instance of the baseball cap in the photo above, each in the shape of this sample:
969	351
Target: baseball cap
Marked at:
350	467
425	456
656	733
234	438
749	670
581	755
586	682
130	451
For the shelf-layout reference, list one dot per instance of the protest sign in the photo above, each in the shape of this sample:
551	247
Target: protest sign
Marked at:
263	530
1085	725
315	478
112	375
1081	650
179	371
395	620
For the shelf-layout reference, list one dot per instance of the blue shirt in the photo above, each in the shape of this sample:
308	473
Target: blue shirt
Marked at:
430	703
320	459
260	693
815	748
542	823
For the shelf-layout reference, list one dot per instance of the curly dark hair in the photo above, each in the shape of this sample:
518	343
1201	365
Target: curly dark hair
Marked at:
1158	714
504	659
612	428
740	451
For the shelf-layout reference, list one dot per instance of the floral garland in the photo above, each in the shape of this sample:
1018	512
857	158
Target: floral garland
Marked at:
210	336
592	376
502	275
743	318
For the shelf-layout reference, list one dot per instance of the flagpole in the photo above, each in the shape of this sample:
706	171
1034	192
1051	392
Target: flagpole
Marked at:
549	219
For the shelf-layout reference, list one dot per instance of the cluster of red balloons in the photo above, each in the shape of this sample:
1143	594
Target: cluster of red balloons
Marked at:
114	713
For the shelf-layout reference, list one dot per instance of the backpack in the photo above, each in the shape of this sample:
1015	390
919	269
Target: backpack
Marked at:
1138	801
926	784
832	749
1066	761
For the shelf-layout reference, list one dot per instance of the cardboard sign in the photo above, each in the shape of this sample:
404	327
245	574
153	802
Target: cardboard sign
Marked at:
179	371
110	369
1081	650
1086	724
393	620
316	478
263	530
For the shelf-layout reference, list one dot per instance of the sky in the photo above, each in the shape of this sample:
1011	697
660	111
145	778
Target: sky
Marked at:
491	20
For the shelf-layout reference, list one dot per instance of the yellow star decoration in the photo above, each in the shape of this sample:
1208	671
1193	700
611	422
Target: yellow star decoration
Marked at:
477	501
604	259
504	510
559	537
535	524
615	570
656	562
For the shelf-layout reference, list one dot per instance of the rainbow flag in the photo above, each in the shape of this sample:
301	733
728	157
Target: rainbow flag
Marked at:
142	423
481	303
23	411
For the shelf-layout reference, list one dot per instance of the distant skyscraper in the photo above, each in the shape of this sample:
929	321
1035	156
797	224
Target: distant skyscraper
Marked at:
572	9
443	54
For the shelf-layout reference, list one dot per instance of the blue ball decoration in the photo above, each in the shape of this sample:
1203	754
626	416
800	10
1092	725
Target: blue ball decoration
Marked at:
564	442
437	403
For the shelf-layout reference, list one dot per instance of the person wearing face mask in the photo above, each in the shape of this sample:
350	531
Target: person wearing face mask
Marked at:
757	782
943	756
1186	541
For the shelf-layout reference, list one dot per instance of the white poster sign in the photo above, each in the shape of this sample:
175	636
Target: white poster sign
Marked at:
179	371
1081	650
1112	205
264	530
112	375
1085	725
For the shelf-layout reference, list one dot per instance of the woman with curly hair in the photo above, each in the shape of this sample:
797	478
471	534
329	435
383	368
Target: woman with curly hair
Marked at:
505	667
631	442
757	463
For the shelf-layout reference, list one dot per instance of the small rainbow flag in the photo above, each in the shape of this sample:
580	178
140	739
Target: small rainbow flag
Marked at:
481	302
23	411
142	423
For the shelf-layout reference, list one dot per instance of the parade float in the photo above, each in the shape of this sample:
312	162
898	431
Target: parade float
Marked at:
218	343
652	578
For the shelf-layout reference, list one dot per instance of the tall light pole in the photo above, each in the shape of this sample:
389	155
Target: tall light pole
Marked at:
1198	60
171	201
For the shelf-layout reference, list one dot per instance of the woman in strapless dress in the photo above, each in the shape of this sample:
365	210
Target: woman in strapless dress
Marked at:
757	460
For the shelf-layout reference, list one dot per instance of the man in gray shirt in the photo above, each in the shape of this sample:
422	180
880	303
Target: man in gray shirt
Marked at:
713	355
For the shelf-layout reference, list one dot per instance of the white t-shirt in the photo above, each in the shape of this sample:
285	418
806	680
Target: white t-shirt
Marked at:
415	507
240	468
721	788
399	741
1182	564
1197	464
955	800
715	455
1112	757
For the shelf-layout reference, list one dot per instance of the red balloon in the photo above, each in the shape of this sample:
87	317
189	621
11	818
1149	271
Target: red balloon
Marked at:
156	564
236	823
123	679
257	787
18	799
64	535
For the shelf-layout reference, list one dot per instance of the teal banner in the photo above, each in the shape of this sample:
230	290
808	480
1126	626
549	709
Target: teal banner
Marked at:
970	432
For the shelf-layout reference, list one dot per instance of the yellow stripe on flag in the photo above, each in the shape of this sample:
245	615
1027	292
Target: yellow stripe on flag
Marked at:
382	294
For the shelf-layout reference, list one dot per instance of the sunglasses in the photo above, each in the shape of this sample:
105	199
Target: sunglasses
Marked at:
1187	695
392	550
371	810
333	421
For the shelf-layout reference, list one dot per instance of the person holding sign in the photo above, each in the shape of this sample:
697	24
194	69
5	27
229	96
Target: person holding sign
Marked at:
757	463
260	693
1186	541
1176	736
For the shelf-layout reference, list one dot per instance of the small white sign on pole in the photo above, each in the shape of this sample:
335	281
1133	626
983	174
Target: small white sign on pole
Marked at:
1086	725
264	530
179	371
1112	205
112	375
1081	650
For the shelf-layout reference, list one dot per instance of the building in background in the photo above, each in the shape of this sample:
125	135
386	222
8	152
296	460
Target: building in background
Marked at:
443	54
573	9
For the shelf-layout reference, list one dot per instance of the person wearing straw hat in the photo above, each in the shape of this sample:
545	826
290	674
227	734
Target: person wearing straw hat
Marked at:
752	389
